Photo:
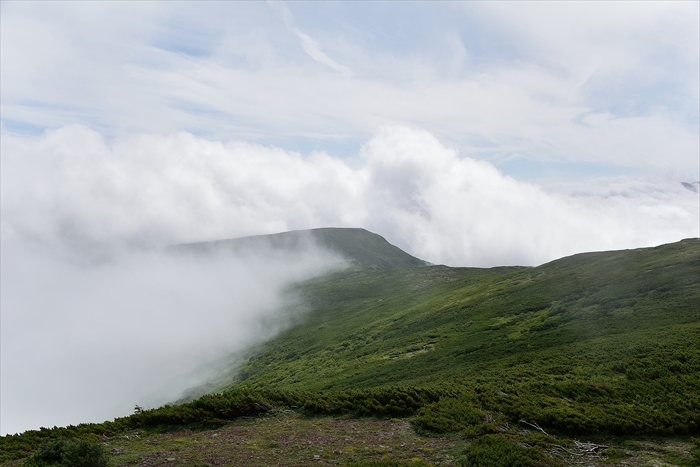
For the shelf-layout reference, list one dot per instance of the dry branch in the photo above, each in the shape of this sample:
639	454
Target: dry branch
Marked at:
534	425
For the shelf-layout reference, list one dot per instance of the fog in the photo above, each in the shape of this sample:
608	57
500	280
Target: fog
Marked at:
73	187
96	317
466	133
85	339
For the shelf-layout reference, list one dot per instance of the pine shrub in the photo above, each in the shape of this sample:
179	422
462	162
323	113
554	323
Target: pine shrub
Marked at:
68	453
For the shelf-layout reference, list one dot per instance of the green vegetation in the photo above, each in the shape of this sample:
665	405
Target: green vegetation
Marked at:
359	246
598	342
68	453
594	344
388	463
497	451
695	450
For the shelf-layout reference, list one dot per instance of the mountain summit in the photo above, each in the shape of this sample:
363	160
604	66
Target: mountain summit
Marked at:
357	245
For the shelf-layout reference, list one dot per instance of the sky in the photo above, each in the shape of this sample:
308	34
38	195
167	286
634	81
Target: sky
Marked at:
466	133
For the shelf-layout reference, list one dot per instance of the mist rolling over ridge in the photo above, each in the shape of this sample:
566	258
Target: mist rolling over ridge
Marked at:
614	332
356	246
80	224
84	192
86	342
342	198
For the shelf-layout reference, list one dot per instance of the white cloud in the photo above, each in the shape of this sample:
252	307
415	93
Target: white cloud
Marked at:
111	326
71	187
309	45
611	85
465	212
86	342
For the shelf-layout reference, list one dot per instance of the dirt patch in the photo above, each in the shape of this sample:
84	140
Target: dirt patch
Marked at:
289	440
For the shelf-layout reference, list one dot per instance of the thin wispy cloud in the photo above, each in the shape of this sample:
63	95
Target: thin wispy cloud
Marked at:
309	45
613	86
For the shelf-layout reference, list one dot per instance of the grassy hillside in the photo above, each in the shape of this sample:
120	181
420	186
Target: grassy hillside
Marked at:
607	312
363	248
597	343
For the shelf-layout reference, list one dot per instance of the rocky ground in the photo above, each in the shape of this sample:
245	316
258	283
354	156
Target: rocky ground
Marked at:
286	438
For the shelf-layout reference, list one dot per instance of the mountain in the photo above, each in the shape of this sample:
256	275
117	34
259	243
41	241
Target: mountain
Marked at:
515	363
360	246
369	328
614	334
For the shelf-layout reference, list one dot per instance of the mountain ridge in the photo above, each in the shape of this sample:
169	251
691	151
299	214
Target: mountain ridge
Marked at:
591	295
599	344
357	245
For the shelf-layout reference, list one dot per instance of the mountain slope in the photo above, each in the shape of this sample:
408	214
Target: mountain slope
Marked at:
357	245
595	344
368	328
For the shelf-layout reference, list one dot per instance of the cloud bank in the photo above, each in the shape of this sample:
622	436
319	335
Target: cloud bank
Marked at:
70	187
86	342
95	320
149	124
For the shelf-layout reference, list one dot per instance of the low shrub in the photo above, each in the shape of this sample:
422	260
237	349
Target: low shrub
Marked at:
68	453
447	415
695	450
497	451
388	463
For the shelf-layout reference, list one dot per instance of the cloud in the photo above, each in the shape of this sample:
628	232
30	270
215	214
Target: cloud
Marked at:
86	342
460	211
90	305
309	45
70	187
618	88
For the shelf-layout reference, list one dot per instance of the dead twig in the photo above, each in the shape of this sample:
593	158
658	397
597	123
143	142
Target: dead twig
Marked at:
589	447
579	454
535	426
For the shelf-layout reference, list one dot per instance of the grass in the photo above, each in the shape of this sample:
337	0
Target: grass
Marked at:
598	344
283	438
468	318
287	438
359	246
